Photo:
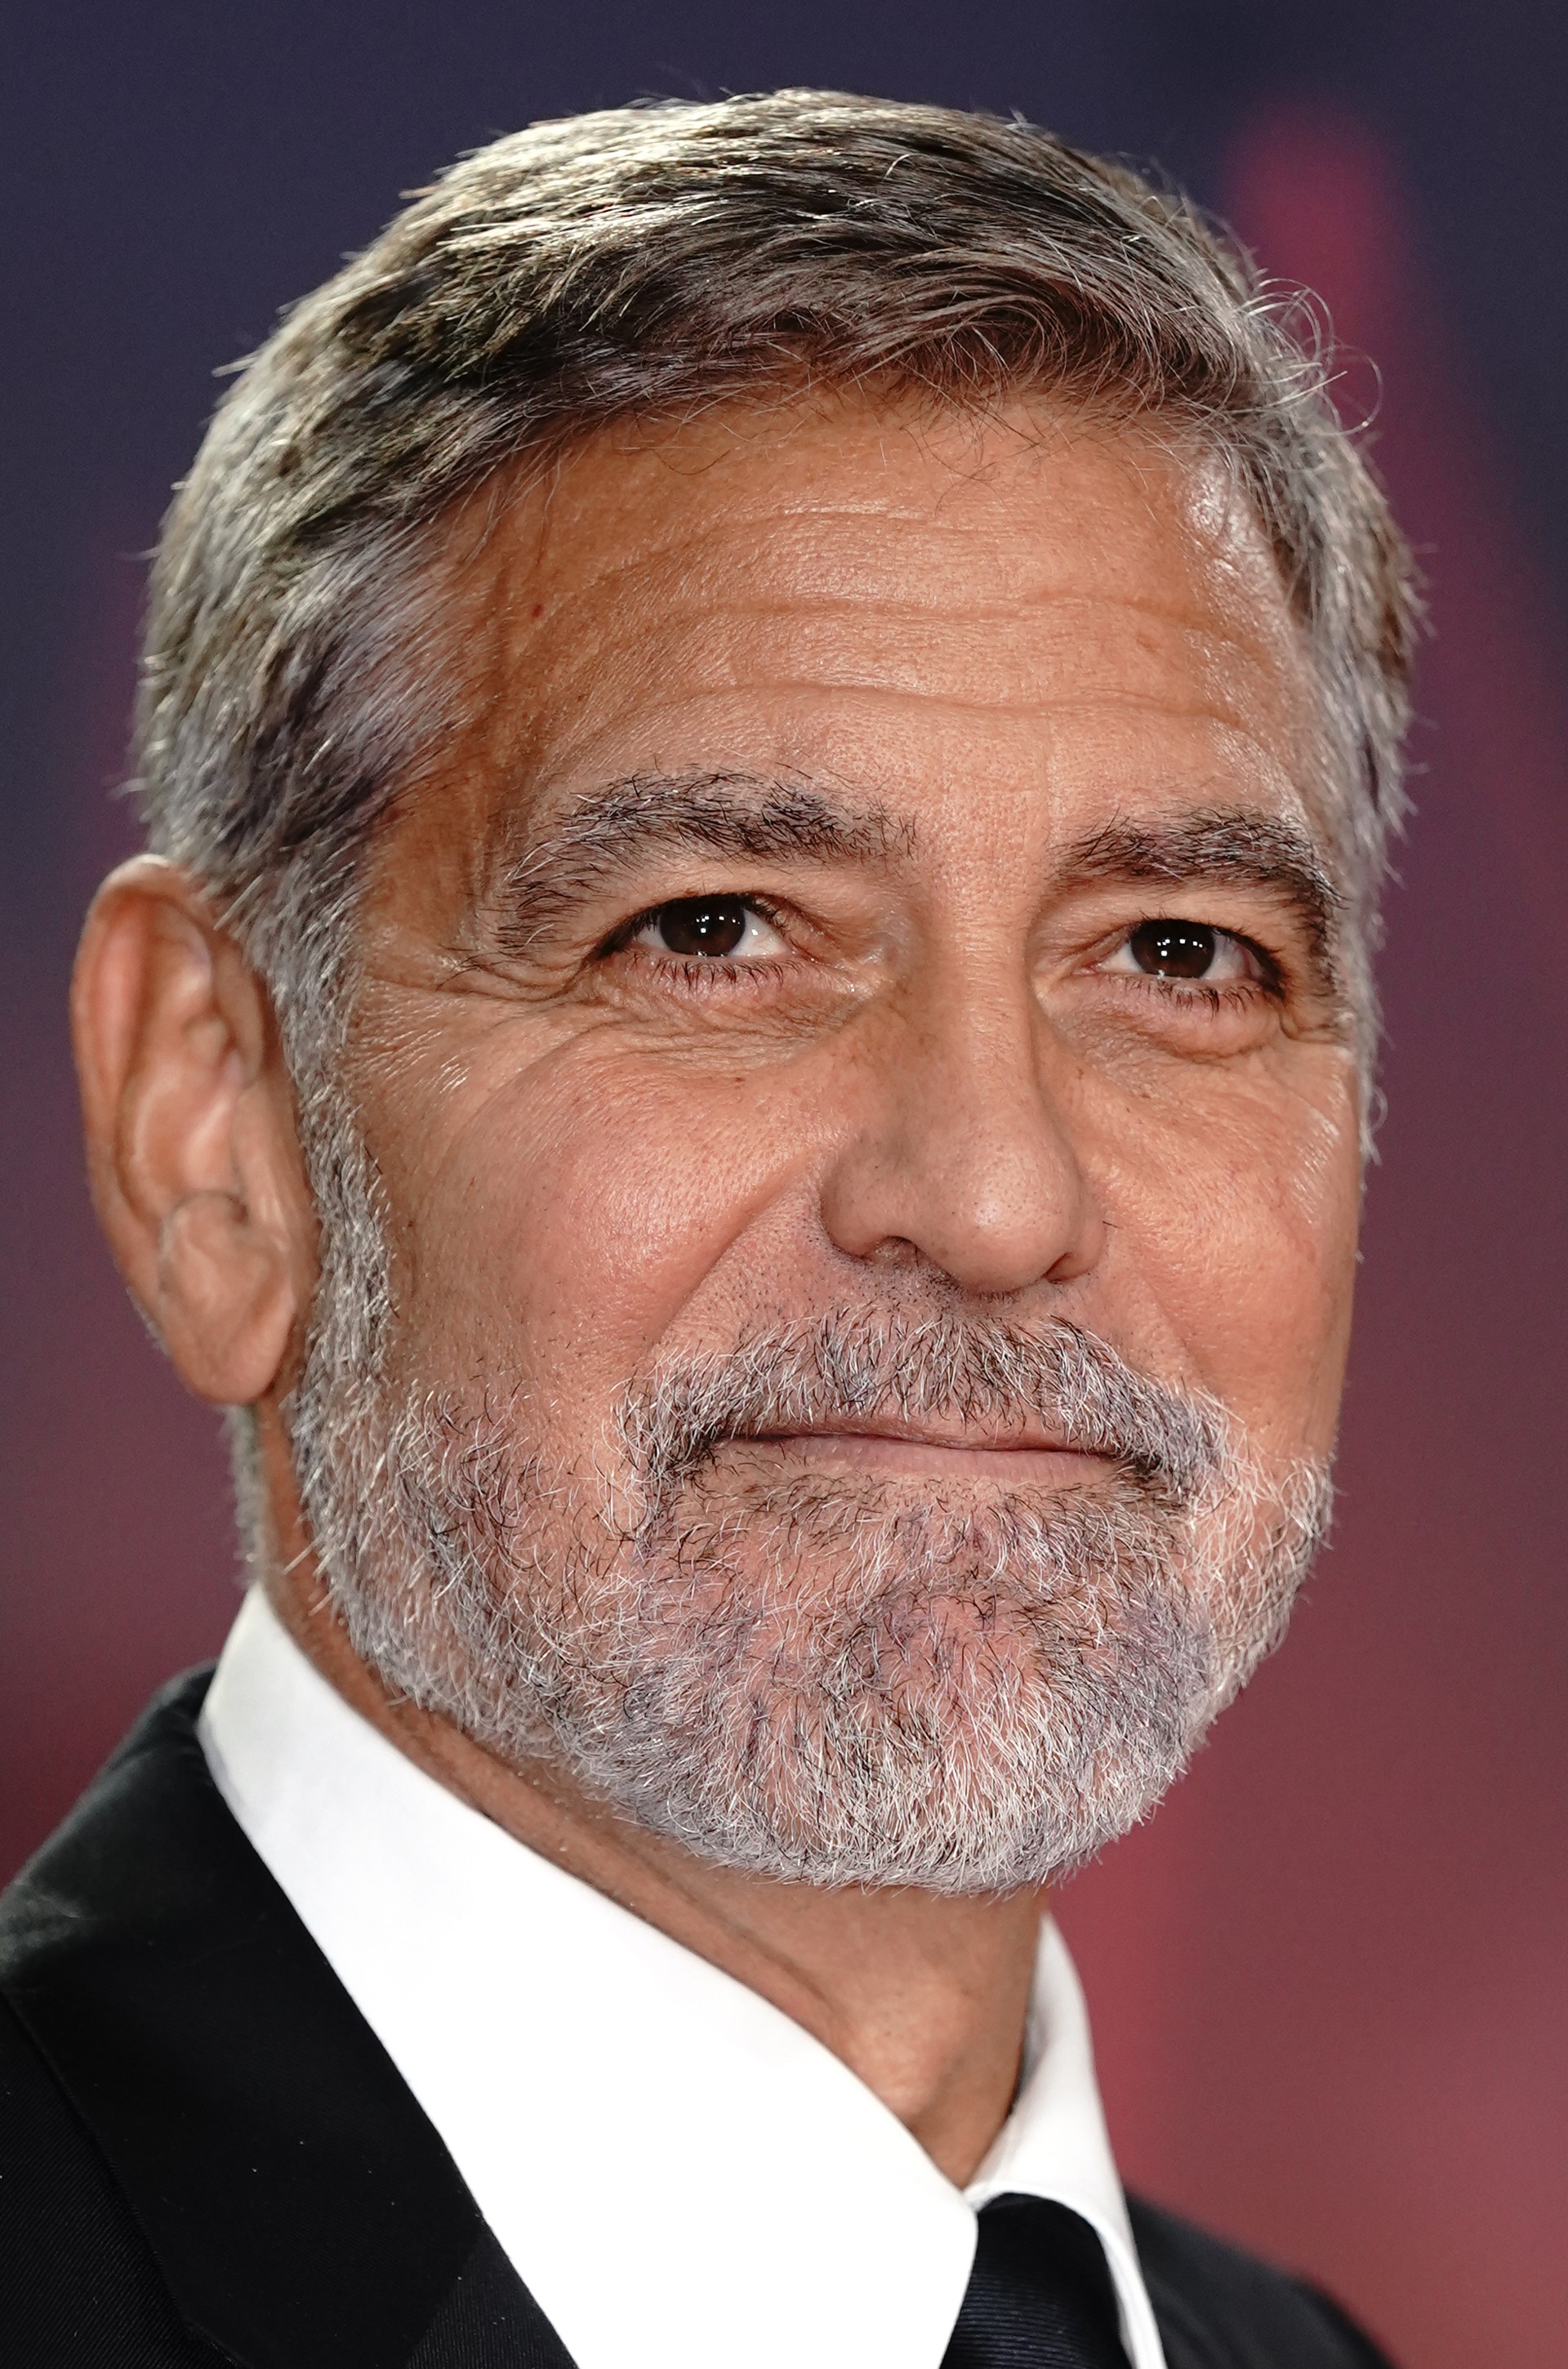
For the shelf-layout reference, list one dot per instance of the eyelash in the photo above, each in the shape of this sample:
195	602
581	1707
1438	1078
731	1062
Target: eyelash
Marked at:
1236	997
1231	997
699	974
709	975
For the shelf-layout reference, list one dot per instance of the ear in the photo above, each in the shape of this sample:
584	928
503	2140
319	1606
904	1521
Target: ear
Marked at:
192	1148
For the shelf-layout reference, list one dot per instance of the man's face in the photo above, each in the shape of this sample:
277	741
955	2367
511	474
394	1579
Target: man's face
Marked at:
864	952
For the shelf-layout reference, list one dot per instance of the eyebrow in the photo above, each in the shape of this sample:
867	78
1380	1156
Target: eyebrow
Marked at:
587	850
1219	847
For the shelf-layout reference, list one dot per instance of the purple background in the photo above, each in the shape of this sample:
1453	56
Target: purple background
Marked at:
1329	1982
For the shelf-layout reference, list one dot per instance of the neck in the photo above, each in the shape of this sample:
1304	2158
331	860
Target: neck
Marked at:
922	1996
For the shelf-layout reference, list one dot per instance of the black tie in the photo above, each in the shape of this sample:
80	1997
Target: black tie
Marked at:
1039	2295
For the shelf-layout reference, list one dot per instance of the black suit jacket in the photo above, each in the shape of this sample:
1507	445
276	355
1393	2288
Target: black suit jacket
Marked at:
206	2155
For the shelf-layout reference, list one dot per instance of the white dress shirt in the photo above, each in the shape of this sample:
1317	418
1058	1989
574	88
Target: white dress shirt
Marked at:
677	2172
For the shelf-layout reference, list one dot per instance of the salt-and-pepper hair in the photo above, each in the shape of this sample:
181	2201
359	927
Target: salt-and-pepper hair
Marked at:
652	262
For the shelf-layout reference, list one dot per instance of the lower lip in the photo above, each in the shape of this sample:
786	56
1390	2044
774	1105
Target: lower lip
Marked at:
1054	1466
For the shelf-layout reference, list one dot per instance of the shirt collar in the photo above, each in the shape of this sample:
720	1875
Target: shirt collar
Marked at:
676	2169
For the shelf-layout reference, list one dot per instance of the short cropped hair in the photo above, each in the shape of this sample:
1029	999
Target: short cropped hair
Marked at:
649	263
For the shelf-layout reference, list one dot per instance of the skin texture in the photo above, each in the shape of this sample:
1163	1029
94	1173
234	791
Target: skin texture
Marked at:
1008	661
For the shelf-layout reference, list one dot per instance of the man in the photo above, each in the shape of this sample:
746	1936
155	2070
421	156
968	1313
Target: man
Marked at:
743	1050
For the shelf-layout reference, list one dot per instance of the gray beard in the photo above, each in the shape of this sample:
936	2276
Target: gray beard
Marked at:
816	1679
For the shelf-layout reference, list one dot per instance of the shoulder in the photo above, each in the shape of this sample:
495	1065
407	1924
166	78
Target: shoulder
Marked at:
154	2175
80	2282
1220	2308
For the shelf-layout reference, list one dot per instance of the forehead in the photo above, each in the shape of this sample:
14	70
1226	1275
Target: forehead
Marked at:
1031	607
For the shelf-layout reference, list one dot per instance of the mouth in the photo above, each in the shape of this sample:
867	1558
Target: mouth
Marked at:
928	1452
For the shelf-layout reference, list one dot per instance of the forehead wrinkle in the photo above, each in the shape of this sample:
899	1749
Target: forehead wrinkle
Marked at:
845	582
715	813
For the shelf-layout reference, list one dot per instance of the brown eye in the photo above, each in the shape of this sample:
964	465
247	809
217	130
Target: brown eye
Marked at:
1174	949
719	928
698	925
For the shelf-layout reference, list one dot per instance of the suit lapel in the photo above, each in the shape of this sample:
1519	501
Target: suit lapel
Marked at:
302	2207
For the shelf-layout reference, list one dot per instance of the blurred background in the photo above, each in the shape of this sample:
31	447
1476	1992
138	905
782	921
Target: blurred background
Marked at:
1328	1983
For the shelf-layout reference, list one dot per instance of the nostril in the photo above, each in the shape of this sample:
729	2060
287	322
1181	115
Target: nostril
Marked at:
896	1250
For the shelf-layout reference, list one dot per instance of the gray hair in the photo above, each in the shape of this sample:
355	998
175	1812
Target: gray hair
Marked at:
649	262
667	1640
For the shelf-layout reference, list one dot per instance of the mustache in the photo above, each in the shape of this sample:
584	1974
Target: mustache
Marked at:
836	1368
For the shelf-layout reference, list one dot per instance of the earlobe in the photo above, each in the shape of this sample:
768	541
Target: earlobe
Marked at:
193	1155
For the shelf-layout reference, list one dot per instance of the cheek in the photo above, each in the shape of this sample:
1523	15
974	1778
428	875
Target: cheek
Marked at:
1243	1221
568	1215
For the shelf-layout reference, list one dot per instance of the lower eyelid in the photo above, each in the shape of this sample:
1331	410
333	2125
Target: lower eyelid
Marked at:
704	969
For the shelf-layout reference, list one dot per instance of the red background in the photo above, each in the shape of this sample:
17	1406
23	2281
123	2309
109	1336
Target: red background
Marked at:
1328	1982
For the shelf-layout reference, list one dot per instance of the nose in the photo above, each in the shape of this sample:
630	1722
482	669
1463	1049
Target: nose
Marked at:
960	1156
